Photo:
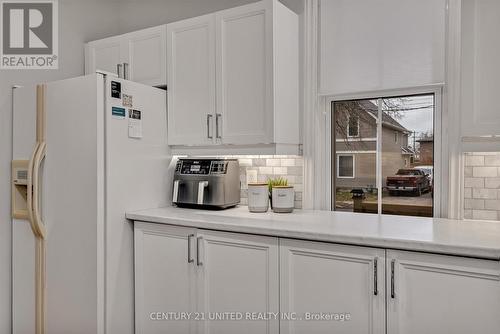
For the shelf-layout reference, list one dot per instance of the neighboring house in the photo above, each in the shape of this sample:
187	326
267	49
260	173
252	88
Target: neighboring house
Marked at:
356	144
426	151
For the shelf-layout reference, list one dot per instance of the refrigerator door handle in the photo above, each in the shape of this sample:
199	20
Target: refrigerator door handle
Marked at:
31	217
40	227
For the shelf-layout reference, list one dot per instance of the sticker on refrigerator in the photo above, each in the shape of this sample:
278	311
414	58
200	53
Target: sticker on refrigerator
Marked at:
127	100
134	123
116	89
117	112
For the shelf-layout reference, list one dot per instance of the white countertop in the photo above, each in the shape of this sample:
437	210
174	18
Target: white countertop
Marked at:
442	236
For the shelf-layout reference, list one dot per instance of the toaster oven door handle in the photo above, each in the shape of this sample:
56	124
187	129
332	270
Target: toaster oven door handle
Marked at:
201	191
176	191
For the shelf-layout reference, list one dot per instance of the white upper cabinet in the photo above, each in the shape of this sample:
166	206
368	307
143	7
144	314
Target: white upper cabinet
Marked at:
104	55
377	45
245	76
441	294
253	52
480	69
191	78
147	51
139	56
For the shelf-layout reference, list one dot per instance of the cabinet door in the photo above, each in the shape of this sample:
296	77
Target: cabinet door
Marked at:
480	73
164	278
147	56
442	294
244	74
104	55
191	81
335	281
238	273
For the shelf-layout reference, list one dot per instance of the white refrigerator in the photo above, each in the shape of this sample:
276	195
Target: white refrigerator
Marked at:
104	152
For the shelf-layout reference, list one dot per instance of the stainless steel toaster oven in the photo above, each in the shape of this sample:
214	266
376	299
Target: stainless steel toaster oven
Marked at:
212	183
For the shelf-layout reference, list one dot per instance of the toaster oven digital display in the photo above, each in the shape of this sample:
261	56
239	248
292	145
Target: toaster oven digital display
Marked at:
195	167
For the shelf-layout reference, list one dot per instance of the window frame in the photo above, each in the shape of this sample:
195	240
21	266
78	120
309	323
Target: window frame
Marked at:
440	174
353	165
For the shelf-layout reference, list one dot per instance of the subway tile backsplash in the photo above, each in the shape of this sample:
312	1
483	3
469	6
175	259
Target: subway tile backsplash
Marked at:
269	166
482	186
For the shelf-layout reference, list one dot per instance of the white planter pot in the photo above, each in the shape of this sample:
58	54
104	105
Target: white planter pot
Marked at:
258	197
283	199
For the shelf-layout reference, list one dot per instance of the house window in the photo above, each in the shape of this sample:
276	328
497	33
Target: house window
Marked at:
353	126
345	166
389	168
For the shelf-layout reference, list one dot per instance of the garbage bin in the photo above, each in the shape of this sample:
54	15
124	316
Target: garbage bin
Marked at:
358	195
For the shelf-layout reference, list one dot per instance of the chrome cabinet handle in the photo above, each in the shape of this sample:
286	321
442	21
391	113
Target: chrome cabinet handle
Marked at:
218	134
119	70
198	247
393	293
190	259
125	71
375	276
209	133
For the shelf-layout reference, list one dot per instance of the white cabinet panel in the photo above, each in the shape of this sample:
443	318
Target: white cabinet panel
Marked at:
480	68
104	55
245	74
164	279
332	279
147	51
239	273
442	294
139	56
191	81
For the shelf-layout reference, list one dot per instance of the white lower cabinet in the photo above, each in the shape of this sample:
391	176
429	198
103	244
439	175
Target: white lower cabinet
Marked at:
165	280
344	283
239	273
211	276
436	294
225	281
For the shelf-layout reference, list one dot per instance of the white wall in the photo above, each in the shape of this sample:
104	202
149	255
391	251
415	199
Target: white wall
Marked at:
138	14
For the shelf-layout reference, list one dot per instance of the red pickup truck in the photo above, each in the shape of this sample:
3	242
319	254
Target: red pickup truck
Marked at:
408	180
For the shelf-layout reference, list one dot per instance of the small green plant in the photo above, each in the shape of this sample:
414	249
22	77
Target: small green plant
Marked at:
276	182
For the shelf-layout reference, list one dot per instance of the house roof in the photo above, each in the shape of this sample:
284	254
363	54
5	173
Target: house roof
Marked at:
426	139
407	150
387	120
